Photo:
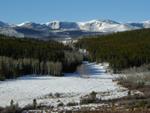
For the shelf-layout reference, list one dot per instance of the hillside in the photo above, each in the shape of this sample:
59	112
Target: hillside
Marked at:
122	50
29	56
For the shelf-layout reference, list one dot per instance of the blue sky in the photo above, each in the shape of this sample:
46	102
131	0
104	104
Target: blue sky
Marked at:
17	11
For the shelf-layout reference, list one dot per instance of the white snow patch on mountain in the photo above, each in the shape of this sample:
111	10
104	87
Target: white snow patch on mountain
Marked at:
72	29
103	26
24	23
11	32
60	25
146	24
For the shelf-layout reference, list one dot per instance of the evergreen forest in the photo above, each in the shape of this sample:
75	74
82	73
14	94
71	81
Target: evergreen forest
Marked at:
122	50
22	56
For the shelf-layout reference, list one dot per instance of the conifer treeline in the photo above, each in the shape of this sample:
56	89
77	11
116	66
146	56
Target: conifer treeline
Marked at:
30	56
121	50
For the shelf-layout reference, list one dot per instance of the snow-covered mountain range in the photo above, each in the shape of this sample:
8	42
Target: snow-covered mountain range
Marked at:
60	29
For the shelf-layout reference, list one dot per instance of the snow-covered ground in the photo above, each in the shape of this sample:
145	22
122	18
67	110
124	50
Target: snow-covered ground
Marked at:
71	87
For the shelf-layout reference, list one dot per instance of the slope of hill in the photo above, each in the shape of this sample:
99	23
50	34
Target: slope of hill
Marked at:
121	50
21	56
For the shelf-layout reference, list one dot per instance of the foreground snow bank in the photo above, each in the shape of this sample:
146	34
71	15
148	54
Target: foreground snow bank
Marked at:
72	87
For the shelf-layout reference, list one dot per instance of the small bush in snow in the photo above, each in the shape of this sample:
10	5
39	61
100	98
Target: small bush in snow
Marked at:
60	104
13	108
91	98
34	103
135	80
57	95
72	104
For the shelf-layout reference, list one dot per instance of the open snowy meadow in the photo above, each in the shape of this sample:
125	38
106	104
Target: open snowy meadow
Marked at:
50	90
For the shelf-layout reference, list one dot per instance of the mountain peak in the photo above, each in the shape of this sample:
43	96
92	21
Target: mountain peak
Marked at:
24	23
3	24
62	25
101	21
71	29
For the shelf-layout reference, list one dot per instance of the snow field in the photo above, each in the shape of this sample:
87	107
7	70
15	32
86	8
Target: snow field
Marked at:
24	89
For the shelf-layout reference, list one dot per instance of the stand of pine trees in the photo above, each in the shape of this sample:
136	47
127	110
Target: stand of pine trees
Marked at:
122	50
29	56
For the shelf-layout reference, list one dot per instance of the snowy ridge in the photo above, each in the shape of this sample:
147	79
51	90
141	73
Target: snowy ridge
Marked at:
11	32
58	25
3	24
90	26
35	26
63	29
103	26
22	24
146	24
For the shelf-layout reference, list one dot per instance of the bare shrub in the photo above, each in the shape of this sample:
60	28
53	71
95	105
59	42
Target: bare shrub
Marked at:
72	104
60	104
135	80
91	98
57	95
13	108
